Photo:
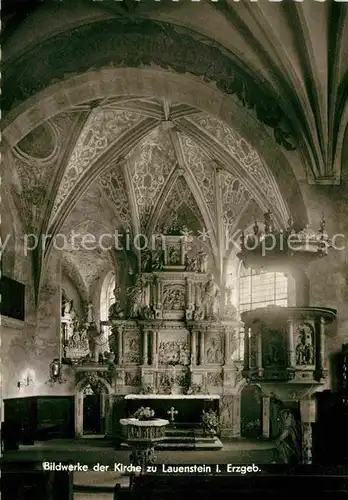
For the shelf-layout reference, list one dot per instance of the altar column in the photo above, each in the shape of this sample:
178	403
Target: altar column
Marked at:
291	344
193	348
120	345
189	294
227	346
159	294
154	348
259	353
202	348
266	417
308	417
247	336
322	344
145	348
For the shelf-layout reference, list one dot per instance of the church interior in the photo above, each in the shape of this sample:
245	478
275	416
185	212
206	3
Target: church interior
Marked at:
174	261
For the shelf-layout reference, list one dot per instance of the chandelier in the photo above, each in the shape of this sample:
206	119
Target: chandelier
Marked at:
286	242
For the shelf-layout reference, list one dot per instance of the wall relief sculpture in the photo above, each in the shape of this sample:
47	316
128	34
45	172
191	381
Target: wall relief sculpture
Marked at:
132	349
304	345
214	379
174	352
173	297
214	350
132	379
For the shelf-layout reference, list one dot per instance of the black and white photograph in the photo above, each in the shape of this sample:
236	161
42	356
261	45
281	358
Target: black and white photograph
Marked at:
174	249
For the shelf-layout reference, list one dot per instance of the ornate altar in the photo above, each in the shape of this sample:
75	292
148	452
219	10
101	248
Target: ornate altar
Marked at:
170	337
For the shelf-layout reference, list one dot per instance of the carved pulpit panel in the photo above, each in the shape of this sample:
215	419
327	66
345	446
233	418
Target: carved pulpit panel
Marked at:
274	353
304	342
131	352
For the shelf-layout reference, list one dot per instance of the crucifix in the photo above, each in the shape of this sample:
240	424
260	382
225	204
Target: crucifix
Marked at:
172	412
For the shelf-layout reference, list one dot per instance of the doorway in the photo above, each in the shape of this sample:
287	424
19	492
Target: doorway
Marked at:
93	412
251	412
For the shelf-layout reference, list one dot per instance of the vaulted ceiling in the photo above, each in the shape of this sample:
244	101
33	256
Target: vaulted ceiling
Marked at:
273	114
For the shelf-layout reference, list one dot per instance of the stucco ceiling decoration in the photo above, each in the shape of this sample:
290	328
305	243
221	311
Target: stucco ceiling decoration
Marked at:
113	187
149	165
35	161
178	204
102	128
237	156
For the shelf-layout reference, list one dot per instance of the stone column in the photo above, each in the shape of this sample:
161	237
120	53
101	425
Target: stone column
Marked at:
322	344
236	416
159	294
259	353
189	294
291	344
120	345
308	416
227	346
154	348
241	340
266	417
202	348
145	348
198	294
78	415
193	348
247	335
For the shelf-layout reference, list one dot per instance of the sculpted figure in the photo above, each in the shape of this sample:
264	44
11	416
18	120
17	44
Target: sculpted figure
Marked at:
95	340
198	314
136	298
115	310
157	260
211	299
146	261
190	264
202	262
289	441
304	349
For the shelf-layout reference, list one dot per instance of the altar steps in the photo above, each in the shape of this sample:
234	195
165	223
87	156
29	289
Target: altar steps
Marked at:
187	439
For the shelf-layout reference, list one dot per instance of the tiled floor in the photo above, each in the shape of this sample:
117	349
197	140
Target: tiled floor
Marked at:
93	451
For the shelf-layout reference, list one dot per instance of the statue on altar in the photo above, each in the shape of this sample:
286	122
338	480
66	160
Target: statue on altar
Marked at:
66	305
157	260
136	298
116	310
90	313
202	262
95	340
190	264
198	313
211	299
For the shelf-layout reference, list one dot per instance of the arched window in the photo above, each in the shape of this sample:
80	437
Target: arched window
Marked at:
261	289
107	296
